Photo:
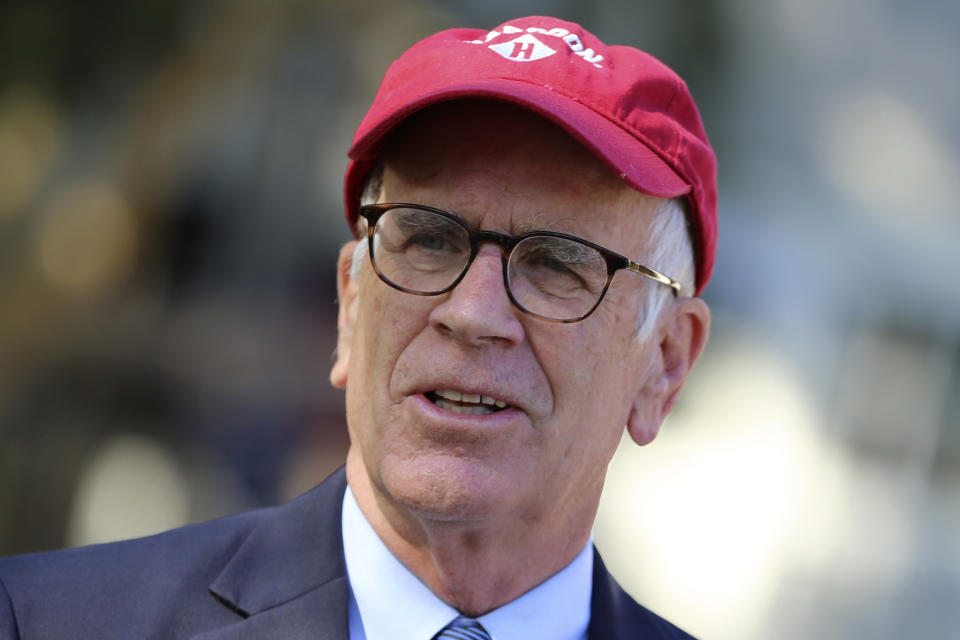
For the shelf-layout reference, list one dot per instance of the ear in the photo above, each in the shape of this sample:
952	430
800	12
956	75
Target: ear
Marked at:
678	341
346	316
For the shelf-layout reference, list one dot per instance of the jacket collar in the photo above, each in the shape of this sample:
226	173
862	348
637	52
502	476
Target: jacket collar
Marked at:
288	578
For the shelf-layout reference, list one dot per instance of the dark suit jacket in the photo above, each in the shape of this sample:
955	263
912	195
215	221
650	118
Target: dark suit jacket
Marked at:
273	573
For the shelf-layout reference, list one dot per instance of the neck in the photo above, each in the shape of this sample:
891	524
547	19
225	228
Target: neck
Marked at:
473	566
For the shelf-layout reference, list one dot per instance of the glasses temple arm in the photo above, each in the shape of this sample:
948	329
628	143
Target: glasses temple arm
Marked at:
654	275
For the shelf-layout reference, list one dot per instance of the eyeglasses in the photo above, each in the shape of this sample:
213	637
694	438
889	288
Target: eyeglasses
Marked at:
549	275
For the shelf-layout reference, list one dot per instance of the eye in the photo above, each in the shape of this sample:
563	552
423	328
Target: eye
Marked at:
431	242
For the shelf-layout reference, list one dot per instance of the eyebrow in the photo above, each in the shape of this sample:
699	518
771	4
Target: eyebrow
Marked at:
540	222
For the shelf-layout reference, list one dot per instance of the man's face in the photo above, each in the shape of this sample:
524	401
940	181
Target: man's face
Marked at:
569	388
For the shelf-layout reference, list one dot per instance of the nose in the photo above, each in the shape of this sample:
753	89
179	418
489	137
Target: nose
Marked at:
478	311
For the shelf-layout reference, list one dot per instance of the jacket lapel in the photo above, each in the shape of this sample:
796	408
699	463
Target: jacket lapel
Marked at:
288	578
615	616
319	614
604	615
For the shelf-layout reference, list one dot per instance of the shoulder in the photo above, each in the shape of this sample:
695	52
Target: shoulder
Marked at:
615	615
177	549
158	586
72	592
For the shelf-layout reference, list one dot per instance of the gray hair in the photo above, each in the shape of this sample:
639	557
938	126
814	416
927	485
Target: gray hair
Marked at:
670	251
372	188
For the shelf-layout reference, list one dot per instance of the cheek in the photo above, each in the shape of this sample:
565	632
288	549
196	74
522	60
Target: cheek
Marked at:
388	321
382	330
591	370
568	362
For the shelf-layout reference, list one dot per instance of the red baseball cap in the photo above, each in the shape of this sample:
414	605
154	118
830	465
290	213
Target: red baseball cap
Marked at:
624	105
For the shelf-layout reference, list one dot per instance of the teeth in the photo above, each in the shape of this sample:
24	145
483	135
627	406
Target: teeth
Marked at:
500	404
470	411
473	398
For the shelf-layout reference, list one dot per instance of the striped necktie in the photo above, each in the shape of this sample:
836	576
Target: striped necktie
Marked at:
463	629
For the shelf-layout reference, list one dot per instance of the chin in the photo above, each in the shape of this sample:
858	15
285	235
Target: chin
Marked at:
446	488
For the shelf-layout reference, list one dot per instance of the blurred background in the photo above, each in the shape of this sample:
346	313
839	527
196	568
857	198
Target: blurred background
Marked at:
170	212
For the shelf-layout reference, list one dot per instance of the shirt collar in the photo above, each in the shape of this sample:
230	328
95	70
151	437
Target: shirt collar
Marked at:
394	603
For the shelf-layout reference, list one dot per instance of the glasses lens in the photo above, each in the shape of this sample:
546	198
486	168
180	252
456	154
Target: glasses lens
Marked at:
420	250
556	277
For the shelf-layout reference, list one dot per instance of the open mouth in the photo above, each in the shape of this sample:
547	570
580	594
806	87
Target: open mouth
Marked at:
465	403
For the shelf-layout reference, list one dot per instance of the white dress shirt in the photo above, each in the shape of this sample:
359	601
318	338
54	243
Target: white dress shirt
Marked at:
388	602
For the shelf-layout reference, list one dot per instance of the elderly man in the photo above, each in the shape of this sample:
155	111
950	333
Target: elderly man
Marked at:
535	213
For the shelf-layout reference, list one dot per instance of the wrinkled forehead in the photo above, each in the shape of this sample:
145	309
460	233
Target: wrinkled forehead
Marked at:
474	156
